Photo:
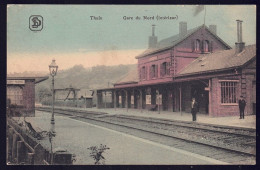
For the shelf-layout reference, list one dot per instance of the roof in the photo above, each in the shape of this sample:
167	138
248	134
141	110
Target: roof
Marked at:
37	79
130	77
176	39
220	60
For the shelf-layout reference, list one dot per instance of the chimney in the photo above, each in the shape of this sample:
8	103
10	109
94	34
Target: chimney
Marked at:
240	45
152	39
213	28
182	29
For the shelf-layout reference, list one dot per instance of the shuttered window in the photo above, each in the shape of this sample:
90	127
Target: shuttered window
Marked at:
154	71
197	45
164	69
206	46
228	92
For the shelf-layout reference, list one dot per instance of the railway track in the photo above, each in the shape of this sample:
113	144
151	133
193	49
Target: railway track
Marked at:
229	144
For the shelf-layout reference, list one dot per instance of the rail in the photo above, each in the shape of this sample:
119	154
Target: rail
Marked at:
166	134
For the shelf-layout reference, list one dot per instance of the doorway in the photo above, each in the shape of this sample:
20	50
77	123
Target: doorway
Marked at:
201	95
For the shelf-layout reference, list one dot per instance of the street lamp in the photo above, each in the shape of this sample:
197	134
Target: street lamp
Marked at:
53	67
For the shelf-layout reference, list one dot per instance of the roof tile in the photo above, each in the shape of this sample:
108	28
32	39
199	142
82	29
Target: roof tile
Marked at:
131	76
219	60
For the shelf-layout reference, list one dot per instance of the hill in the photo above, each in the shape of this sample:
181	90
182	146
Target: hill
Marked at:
86	78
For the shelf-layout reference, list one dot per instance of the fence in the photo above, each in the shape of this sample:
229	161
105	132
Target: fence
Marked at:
22	148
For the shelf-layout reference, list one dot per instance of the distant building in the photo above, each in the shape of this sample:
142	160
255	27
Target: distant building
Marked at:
194	63
85	98
74	97
21	95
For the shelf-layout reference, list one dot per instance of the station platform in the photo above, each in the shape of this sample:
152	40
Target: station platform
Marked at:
77	136
234	121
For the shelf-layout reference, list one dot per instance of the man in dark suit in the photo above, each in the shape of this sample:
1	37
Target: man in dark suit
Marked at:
194	109
242	105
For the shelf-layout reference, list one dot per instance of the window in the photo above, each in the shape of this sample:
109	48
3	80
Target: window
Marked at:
164	69
228	92
197	45
206	46
153	71
15	94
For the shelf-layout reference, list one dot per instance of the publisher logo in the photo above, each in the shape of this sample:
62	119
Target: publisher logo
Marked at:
35	23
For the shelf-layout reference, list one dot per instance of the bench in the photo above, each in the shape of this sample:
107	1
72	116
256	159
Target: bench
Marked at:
153	107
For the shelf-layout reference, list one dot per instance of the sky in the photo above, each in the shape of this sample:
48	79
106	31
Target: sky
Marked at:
72	38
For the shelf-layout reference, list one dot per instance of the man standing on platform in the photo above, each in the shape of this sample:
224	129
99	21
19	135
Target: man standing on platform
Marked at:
242	105
194	109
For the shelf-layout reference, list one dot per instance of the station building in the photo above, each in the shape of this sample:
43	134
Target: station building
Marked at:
194	63
21	95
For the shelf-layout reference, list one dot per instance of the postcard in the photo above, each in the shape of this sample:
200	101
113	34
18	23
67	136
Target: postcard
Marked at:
131	85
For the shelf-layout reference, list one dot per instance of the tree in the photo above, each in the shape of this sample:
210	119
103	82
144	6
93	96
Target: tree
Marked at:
43	93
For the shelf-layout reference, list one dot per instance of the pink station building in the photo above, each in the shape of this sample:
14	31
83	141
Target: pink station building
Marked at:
193	63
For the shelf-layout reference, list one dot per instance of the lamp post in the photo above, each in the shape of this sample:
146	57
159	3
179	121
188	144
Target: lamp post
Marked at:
53	67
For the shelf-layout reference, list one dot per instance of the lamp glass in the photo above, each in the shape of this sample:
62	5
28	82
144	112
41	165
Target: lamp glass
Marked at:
53	67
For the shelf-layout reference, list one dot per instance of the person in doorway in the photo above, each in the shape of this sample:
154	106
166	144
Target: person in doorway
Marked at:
242	105
194	109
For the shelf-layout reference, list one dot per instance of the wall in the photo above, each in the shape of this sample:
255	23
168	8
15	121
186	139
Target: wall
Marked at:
249	93
29	97
180	56
184	52
157	59
218	109
247	77
250	74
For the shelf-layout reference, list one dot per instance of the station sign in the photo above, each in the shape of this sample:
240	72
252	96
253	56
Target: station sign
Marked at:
132	99
120	100
15	81
148	99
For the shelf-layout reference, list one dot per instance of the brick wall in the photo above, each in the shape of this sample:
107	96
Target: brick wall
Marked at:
218	109
249	94
186	46
29	97
180	56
